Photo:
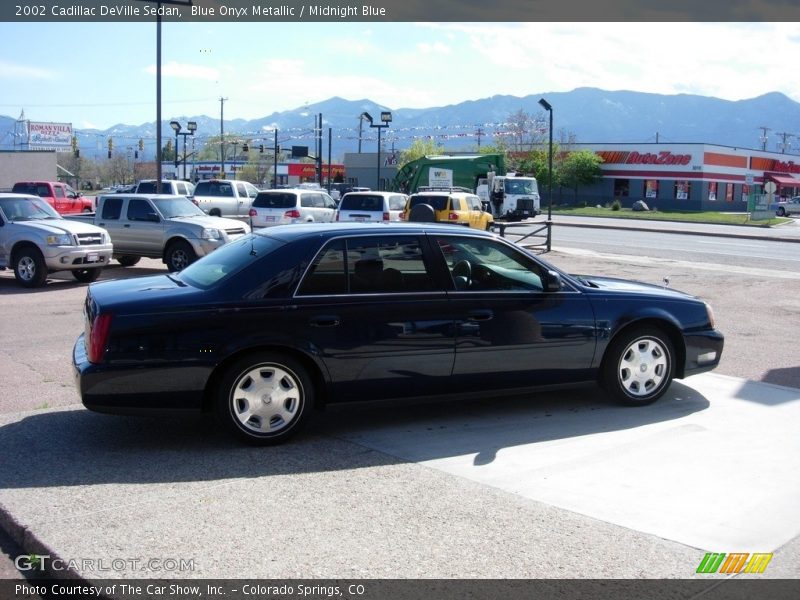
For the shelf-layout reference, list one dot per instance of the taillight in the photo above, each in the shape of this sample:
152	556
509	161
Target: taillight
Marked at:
98	336
253	212
453	217
292	214
386	216
402	216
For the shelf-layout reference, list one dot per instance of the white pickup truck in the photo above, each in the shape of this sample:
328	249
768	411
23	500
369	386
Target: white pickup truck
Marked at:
161	226
35	240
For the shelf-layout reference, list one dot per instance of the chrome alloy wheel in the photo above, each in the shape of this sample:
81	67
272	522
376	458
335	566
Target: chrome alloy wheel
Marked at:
643	367
26	267
266	398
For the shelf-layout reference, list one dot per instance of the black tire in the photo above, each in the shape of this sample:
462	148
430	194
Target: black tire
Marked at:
29	267
179	255
781	212
638	366
215	212
86	275
264	398
128	260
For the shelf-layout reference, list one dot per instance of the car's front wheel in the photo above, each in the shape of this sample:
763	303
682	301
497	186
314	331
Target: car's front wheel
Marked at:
128	260
86	275
781	211
639	366
29	267
265	398
179	255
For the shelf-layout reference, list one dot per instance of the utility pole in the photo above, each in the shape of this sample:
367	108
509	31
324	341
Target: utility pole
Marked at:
275	162
319	151
222	136
360	128
479	135
764	137
784	144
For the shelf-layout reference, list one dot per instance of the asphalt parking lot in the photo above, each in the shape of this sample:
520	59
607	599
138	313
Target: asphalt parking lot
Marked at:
549	485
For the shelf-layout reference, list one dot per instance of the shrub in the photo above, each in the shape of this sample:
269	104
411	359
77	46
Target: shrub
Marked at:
616	205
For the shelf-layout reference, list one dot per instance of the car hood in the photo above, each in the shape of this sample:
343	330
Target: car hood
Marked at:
627	286
59	226
211	222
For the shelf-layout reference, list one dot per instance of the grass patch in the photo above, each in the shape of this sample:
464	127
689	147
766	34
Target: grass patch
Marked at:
670	215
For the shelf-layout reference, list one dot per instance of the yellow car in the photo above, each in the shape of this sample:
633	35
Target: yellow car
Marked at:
459	208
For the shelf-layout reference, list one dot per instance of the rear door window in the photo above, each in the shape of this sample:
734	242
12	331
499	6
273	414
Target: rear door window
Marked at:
112	209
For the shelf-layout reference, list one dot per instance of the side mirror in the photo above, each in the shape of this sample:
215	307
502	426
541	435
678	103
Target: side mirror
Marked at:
552	282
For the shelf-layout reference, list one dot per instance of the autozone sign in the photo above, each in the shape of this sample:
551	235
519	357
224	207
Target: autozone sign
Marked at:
663	157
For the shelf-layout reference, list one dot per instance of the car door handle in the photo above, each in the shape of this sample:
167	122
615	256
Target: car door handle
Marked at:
480	315
324	321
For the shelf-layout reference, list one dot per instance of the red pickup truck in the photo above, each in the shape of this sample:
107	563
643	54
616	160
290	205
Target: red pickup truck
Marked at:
58	195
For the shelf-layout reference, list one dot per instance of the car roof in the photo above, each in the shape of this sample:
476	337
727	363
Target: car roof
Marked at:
381	193
305	230
294	190
13	195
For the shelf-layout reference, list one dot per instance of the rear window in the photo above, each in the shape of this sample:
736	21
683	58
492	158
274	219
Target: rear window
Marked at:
274	200
149	187
213	188
371	202
437	202
24	188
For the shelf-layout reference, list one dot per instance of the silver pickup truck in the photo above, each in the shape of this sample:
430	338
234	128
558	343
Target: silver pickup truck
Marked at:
162	226
35	240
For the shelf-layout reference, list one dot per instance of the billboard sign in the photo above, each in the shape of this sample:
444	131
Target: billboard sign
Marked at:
49	136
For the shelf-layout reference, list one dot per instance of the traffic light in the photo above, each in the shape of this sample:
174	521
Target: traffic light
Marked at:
74	142
77	153
245	147
135	154
141	145
261	148
110	147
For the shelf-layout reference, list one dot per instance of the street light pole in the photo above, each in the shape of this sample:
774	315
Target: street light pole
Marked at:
386	118
546	105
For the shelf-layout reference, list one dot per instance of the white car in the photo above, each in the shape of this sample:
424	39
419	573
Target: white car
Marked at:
788	207
371	206
287	206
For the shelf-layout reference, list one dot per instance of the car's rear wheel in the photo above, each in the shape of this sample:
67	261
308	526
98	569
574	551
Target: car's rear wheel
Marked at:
86	275
781	211
179	255
265	398
128	260
639	366
29	267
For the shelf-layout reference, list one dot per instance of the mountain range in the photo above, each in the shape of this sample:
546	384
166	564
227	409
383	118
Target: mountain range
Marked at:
587	115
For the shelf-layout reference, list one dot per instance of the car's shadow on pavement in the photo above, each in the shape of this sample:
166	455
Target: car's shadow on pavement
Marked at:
75	447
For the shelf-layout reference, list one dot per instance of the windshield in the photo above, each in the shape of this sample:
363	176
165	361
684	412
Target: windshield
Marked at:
171	208
520	186
27	209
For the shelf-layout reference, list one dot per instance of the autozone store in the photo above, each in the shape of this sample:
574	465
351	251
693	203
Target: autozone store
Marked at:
689	176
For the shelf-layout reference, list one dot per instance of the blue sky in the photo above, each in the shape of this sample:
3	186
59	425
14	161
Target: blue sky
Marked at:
101	74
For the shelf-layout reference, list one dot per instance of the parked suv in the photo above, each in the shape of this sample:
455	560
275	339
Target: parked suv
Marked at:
448	206
371	206
282	207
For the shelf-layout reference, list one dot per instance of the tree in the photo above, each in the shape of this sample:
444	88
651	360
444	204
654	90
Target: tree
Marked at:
580	168
418	149
168	151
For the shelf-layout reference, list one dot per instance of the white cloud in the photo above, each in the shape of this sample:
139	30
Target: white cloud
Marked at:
435	48
186	71
19	71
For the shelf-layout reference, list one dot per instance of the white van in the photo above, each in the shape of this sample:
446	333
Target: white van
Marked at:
286	206
371	206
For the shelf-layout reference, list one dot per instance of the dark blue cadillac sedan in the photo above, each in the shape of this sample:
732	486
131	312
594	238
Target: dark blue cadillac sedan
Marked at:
285	319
